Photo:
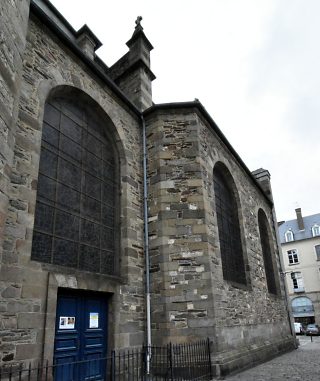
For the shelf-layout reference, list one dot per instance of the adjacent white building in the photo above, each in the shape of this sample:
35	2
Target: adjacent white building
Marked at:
300	242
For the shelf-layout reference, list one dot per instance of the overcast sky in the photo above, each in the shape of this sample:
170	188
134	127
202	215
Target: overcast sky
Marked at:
253	64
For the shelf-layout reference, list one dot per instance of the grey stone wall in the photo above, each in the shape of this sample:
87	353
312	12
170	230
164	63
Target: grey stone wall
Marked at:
190	298
13	27
182	287
244	316
29	288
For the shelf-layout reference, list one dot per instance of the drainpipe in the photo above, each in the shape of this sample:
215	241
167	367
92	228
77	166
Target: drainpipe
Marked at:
283	274
146	242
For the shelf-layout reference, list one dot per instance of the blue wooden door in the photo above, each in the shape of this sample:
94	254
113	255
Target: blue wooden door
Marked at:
81	337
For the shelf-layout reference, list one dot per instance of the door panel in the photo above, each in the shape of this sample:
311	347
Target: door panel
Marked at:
81	335
94	337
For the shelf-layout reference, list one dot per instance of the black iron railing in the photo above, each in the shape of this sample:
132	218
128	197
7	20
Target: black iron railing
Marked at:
179	362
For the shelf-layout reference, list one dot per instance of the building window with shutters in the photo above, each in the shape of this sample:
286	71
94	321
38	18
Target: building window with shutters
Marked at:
297	281
293	256
233	266
76	196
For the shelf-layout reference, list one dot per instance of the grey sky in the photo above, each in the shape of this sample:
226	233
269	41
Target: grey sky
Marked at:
254	65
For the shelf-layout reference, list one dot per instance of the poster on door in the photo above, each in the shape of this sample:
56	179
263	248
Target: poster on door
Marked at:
94	320
67	322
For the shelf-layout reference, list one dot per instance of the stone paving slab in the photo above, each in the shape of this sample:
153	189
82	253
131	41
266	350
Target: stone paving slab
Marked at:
301	364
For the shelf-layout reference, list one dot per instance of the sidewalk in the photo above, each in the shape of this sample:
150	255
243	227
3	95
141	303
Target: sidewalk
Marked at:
302	364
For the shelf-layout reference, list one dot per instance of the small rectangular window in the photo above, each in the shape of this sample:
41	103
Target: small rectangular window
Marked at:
293	256
317	248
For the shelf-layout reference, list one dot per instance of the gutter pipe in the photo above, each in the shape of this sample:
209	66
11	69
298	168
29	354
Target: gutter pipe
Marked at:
146	242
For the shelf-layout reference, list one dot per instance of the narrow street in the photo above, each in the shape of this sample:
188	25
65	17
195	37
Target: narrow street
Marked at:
302	364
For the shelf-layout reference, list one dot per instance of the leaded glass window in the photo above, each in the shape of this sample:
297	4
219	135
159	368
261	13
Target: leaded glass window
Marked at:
75	209
229	229
267	252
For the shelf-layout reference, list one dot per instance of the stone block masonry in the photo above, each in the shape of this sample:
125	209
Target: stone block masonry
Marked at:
190	298
181	280
13	28
25	284
13	21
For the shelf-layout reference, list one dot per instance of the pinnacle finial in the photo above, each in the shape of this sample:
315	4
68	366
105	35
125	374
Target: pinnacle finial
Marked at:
138	21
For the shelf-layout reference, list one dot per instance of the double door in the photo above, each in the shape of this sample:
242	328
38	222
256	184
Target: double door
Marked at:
80	336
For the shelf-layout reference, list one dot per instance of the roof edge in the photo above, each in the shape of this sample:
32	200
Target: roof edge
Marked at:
196	104
49	23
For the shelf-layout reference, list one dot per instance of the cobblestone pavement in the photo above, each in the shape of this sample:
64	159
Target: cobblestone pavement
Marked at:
301	364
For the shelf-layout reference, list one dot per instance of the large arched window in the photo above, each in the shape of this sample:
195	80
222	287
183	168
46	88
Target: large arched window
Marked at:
76	196
228	225
267	252
302	306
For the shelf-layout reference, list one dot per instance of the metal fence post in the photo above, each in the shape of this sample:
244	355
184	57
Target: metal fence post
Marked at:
170	361
113	365
209	354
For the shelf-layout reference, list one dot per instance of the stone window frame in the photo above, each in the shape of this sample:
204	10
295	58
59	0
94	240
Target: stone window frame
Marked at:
268	253
293	257
317	251
228	178
80	94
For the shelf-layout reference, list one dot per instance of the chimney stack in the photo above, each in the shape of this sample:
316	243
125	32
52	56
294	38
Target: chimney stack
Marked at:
300	219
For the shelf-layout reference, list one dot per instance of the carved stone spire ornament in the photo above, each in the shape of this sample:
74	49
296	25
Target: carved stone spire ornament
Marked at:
138	22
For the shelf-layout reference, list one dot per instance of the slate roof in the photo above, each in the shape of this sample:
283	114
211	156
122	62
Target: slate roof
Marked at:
298	235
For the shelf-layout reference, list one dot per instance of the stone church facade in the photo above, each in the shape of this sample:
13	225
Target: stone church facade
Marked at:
72	206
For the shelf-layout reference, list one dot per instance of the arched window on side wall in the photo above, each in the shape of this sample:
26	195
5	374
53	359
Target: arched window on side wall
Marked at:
228	226
76	196
267	252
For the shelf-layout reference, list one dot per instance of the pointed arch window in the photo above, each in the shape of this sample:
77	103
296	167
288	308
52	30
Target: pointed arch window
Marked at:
76	196
267	252
233	266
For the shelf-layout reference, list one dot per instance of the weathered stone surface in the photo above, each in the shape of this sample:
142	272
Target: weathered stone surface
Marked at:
190	299
11	292
24	303
182	215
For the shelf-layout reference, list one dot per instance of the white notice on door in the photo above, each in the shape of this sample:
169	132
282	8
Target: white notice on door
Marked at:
94	320
67	322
